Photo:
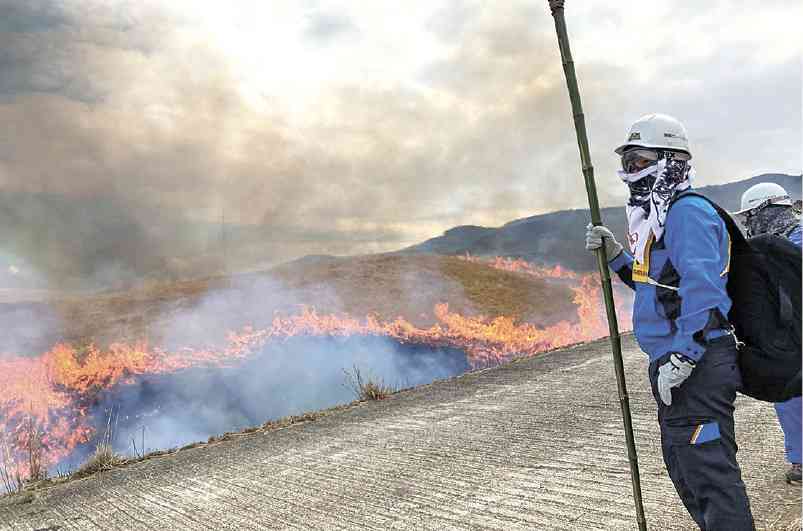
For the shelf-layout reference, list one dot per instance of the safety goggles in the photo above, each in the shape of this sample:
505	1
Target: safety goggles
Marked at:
635	160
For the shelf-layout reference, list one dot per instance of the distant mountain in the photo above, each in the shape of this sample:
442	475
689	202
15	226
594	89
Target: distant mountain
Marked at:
558	237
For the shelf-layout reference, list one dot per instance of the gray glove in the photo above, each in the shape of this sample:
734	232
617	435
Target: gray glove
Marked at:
600	235
673	373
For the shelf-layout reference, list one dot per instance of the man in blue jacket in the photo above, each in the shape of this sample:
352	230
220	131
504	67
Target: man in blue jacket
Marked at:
678	267
767	209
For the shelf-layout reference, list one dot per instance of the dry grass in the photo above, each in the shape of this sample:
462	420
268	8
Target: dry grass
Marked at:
104	457
9	471
391	285
37	468
366	389
387	286
11	477
139	453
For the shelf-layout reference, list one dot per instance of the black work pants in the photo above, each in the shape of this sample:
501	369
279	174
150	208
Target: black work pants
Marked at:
698	441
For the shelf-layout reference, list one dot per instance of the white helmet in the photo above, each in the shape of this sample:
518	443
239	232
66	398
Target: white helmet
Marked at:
762	194
657	131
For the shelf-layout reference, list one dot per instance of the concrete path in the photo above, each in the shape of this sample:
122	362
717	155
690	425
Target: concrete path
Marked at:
535	444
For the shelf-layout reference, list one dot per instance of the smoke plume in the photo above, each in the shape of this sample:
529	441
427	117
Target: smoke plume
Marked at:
160	141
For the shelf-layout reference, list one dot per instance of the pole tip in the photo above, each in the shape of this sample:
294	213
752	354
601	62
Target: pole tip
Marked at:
554	5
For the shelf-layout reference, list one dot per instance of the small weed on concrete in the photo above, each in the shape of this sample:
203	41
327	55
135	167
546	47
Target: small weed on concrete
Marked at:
104	457
366	388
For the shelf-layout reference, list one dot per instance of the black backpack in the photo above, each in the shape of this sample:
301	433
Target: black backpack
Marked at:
764	284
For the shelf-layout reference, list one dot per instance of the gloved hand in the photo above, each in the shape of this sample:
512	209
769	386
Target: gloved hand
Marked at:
600	235
673	373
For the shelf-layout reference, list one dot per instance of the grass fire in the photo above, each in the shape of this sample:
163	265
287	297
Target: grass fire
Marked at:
280	353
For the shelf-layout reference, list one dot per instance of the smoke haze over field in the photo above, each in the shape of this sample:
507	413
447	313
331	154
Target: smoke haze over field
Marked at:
303	375
132	129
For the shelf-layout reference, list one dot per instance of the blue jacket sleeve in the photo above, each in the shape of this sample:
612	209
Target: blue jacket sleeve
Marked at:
623	266
699	248
795	236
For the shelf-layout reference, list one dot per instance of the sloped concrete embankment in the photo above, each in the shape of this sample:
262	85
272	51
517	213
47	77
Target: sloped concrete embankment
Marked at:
535	444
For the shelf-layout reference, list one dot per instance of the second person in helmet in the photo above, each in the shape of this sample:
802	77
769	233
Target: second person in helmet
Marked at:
767	209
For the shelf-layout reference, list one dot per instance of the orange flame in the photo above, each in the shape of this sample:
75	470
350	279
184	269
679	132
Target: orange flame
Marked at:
58	387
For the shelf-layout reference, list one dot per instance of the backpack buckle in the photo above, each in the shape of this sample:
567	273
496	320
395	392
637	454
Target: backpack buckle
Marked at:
739	343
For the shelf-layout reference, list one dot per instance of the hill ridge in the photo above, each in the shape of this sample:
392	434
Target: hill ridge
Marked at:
557	237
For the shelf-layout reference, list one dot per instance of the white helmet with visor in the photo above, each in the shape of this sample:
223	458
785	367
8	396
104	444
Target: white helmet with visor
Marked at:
656	131
761	195
649	139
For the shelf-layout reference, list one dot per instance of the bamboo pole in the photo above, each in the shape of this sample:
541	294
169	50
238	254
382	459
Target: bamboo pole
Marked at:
556	6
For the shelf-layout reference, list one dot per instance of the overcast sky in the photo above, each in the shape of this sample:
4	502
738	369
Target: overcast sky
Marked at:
380	122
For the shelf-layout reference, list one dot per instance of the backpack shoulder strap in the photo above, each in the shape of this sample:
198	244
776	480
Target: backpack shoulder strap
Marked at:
730	224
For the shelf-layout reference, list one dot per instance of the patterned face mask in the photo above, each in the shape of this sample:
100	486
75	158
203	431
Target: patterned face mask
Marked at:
676	171
651	193
658	182
640	184
640	192
778	220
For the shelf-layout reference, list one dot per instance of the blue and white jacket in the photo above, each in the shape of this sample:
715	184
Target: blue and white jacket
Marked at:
681	298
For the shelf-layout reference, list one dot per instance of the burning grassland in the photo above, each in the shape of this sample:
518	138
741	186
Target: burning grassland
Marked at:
385	286
196	359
